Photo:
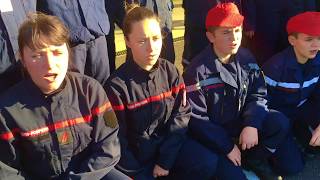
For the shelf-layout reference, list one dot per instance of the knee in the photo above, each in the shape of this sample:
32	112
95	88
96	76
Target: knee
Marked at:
291	168
207	167
278	121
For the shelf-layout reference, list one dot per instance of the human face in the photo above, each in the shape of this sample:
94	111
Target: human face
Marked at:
145	42
47	67
305	46
226	40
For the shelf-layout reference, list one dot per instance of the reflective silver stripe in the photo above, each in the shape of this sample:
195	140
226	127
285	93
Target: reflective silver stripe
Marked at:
270	81
310	82
202	83
301	102
289	85
274	83
253	66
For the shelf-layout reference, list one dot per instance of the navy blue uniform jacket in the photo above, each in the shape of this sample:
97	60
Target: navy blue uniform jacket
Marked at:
151	116
288	86
221	107
68	135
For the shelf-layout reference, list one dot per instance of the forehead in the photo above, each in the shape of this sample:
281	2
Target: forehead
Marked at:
229	28
146	27
46	47
303	35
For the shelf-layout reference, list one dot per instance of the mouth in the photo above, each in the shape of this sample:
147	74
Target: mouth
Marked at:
314	51
233	45
50	76
151	56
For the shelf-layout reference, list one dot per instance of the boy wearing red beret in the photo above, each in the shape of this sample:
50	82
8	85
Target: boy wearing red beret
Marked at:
230	120
293	82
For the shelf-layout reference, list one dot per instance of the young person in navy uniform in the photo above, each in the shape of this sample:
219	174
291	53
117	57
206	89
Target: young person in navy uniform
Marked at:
293	75
195	13
55	124
266	23
230	122
148	96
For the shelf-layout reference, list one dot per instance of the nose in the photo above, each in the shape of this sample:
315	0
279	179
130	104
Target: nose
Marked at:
48	60
233	36
150	46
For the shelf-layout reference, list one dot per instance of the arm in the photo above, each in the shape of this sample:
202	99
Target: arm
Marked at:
255	108
9	155
105	147
128	163
176	126
201	126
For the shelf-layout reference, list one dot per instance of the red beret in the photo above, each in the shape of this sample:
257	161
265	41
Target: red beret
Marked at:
307	23
224	15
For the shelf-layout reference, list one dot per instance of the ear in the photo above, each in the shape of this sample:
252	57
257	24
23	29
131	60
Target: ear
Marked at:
128	43
292	40
210	36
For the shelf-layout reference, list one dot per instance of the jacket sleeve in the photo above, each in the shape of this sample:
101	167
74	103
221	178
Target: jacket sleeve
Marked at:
10	167
128	163
255	108
105	147
177	126
201	126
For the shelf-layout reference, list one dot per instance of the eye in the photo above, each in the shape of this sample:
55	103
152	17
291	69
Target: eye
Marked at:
141	41
57	53
226	31
36	56
308	39
156	38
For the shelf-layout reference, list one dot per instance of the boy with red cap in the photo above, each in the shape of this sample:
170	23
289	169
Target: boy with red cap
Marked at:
230	120
292	77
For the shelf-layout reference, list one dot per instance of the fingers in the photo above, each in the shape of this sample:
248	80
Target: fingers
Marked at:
243	146
315	140
184	98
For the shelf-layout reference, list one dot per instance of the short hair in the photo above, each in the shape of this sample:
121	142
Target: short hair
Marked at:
294	34
212	29
39	30
136	14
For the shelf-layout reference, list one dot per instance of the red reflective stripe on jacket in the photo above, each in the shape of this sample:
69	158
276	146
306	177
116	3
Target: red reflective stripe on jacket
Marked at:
118	108
101	109
6	136
9	135
174	90
58	125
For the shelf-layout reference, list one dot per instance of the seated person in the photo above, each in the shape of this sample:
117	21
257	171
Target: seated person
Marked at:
230	123
148	96
55	124
292	77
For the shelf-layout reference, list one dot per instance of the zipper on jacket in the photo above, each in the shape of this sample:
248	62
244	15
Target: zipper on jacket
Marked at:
222	103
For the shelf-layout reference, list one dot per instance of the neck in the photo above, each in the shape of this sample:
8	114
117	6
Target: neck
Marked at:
223	58
300	59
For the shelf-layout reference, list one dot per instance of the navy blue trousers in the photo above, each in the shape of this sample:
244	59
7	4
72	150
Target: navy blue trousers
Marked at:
114	174
196	161
91	59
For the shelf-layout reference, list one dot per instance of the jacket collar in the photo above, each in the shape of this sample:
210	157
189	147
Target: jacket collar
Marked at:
215	66
136	71
292	59
291	62
62	93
